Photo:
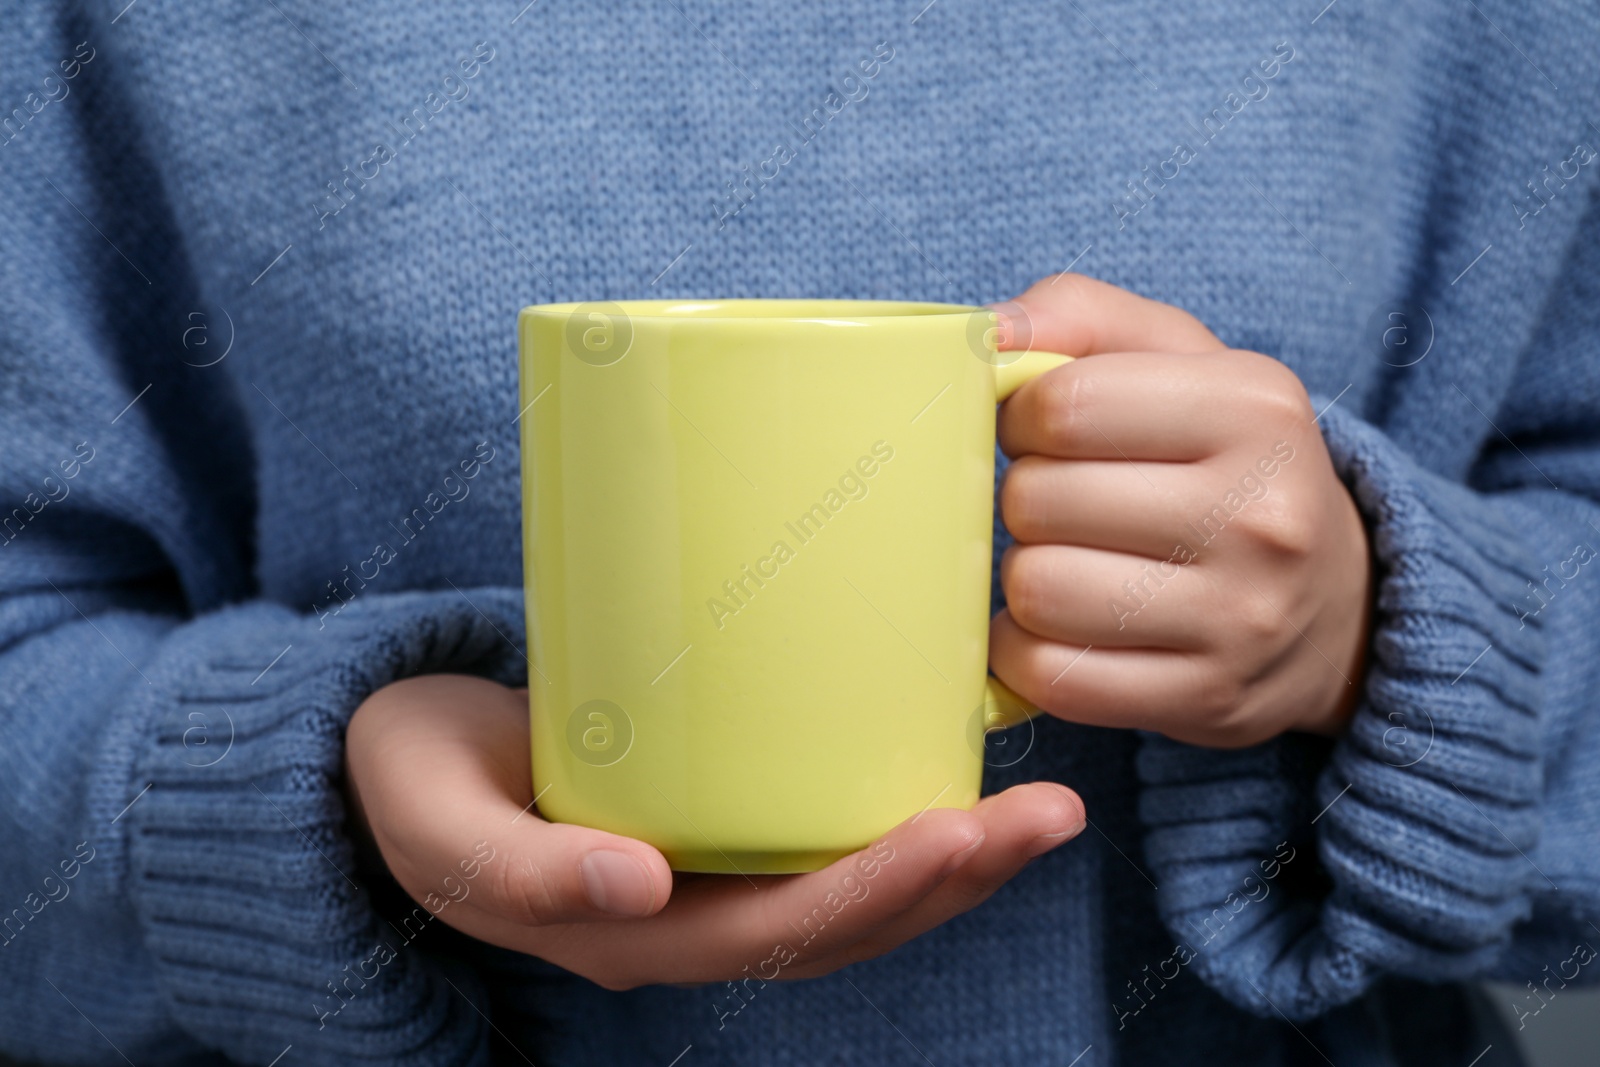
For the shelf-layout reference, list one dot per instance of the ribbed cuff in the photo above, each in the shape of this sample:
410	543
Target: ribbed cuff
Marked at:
235	858
1425	809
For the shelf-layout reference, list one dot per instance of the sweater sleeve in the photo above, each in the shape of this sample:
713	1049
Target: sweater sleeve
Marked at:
1449	834
176	880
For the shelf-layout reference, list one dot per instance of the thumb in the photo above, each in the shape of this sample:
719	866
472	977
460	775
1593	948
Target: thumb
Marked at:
548	873
439	771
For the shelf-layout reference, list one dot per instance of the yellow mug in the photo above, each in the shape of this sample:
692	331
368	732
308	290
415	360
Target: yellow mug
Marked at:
757	538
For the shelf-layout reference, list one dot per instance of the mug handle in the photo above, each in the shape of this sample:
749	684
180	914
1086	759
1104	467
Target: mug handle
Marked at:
1003	708
1010	377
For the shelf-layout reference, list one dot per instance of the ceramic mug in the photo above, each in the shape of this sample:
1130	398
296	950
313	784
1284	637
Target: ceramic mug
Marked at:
757	545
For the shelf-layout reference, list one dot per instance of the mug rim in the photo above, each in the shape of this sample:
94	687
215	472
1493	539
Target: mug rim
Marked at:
778	309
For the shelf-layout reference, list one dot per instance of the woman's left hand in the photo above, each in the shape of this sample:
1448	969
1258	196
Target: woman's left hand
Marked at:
1187	561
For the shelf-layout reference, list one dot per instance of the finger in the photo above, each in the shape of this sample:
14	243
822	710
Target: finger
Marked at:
1087	596
715	927
1081	316
1153	406
1022	823
455	787
1167	512
1109	504
1137	689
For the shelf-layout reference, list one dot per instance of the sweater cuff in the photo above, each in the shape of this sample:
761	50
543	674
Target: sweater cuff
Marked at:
233	850
1421	815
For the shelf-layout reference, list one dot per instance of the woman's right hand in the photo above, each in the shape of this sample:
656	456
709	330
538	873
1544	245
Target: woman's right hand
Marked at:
438	777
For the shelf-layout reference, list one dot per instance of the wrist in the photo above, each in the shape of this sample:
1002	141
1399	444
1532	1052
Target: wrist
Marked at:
1353	618
357	822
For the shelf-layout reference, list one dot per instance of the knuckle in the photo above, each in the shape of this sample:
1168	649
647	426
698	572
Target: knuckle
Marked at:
524	892
1239	727
1281	527
1290	406
1280	393
1234	734
1295	535
1062	288
967	892
1073	286
1218	694
1258	622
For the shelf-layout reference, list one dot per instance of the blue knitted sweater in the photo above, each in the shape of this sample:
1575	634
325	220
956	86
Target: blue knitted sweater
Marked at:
259	270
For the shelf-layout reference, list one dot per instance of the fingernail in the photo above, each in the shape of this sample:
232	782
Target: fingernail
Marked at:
1016	331
617	883
1045	842
961	857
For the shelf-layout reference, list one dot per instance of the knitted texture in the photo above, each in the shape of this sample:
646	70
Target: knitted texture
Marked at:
261	265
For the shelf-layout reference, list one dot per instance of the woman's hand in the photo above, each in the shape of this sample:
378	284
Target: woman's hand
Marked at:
1186	561
438	776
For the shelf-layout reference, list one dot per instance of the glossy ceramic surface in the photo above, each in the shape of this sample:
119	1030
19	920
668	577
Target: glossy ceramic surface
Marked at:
757	542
